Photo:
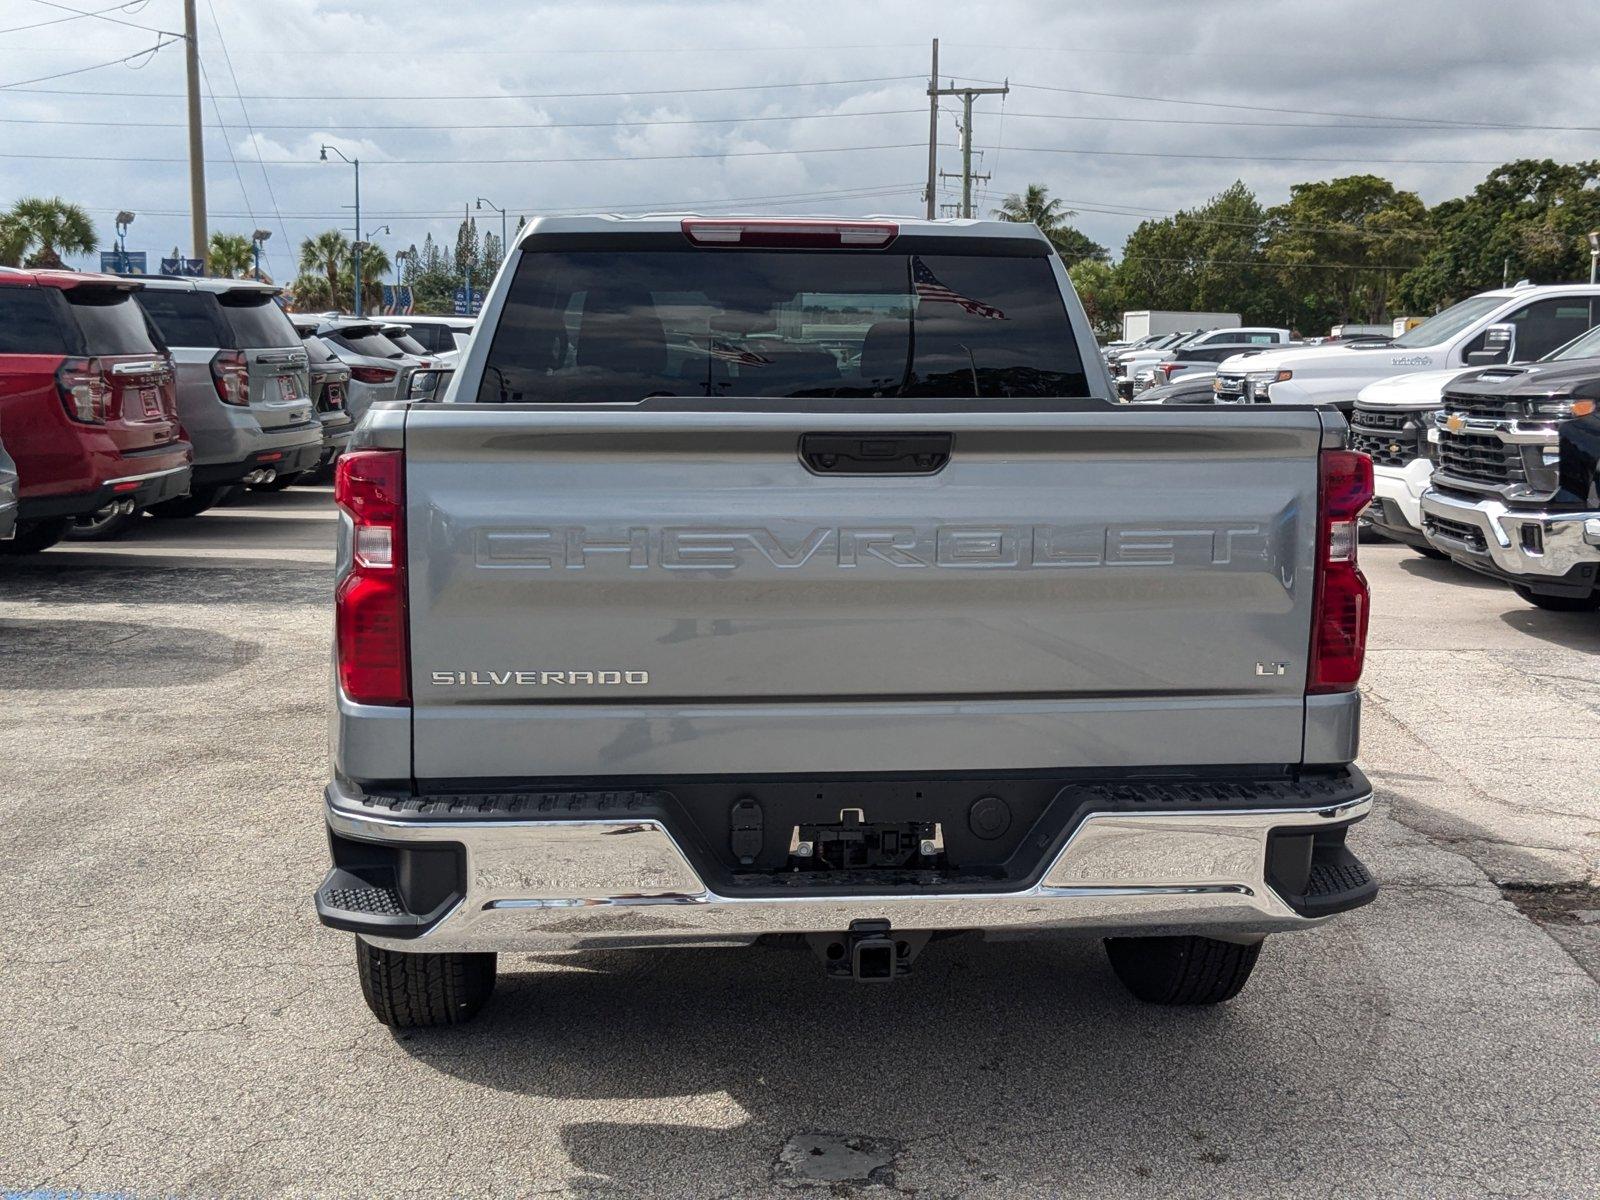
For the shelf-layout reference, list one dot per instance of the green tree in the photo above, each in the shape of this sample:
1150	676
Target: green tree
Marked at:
1034	205
1206	259
229	255
325	254
1528	219
310	292
1096	285
51	227
1344	243
374	266
13	240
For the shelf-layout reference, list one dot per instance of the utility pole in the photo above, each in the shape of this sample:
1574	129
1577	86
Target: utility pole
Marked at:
197	149
933	126
967	94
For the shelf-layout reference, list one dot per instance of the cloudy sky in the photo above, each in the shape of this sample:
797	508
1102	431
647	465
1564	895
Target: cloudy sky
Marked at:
813	107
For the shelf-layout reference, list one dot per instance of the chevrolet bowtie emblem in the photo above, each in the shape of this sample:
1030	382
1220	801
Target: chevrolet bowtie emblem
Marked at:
1455	422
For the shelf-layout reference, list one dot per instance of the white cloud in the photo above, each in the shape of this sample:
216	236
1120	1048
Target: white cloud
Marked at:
1452	59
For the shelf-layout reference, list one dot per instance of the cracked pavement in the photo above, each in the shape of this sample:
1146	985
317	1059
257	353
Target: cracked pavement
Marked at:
178	1025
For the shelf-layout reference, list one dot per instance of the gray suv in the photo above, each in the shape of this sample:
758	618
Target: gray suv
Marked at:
243	391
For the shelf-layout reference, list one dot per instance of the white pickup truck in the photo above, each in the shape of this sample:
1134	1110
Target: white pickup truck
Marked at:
1516	324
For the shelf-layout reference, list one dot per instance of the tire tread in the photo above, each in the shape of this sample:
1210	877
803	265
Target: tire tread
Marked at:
1182	970
422	991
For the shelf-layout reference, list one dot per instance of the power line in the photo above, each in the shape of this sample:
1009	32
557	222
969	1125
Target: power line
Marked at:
682	91
220	124
125	6
167	39
101	14
481	162
866	191
1302	112
244	194
1347	158
255	144
1303	124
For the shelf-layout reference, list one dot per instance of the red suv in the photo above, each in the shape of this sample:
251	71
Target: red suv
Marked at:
88	402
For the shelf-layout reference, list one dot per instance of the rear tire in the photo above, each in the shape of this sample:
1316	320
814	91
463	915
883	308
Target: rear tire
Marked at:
33	536
101	526
1182	970
422	991
1589	603
192	505
279	483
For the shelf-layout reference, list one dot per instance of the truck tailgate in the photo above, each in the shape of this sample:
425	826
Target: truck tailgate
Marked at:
623	592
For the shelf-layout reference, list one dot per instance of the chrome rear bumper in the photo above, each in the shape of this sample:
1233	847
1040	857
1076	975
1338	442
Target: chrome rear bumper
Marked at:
542	885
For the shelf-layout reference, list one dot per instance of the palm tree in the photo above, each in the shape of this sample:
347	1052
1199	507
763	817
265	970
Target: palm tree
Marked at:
54	227
326	254
13	240
1034	205
310	292
229	255
374	266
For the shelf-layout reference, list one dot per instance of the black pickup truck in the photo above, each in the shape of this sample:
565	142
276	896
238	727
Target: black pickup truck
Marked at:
1516	491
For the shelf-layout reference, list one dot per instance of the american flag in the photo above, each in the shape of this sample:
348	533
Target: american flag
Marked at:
728	352
929	288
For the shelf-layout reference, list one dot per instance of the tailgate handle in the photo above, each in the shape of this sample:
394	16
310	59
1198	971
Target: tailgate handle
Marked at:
875	453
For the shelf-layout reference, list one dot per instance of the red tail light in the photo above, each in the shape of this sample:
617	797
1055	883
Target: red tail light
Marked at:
85	394
372	374
1339	617
1166	369
370	605
230	371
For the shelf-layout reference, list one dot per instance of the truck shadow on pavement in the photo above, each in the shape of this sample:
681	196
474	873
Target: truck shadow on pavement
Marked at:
993	1059
1573	631
1442	570
40	655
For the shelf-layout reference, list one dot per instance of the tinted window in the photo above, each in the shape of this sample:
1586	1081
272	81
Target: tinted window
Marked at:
581	327
256	321
436	339
1547	324
1587	346
406	342
184	318
110	321
365	339
318	350
28	323
1443	326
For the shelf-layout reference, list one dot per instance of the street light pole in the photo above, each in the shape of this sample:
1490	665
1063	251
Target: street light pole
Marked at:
256	239
124	219
495	208
356	253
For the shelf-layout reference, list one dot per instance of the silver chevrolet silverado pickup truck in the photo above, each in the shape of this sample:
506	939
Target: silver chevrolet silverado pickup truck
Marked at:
799	580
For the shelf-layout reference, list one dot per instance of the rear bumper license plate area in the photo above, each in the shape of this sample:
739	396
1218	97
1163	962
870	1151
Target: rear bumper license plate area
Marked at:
567	871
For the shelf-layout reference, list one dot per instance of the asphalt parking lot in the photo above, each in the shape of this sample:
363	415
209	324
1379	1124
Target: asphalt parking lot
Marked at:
178	1025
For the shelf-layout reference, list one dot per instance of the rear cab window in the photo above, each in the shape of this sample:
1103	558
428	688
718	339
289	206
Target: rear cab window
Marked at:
925	317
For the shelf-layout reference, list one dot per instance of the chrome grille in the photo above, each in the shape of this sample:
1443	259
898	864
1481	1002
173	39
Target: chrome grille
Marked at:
1480	458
